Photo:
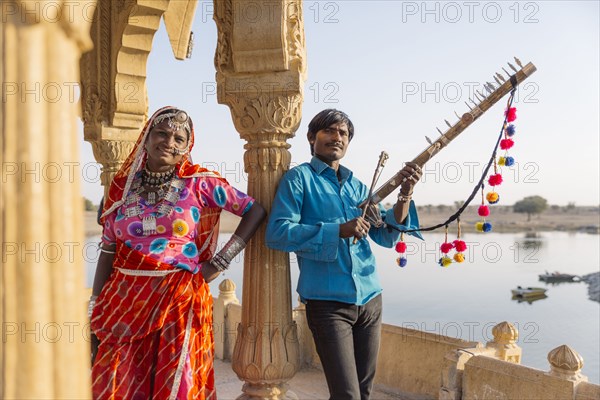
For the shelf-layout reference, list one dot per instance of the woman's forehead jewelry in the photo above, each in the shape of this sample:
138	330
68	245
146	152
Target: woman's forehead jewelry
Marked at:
177	120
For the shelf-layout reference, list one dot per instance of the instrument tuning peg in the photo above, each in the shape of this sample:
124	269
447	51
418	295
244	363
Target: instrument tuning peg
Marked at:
506	72
518	62
500	77
481	94
497	80
468	105
428	140
477	97
457	116
448	123
487	87
512	67
438	129
473	101
491	85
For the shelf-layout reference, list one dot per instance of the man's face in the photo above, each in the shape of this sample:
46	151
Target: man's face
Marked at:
330	144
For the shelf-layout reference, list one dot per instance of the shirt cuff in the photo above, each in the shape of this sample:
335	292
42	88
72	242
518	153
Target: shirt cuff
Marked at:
410	222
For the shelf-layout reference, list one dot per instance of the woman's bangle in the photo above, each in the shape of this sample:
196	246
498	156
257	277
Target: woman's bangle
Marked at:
91	305
219	263
103	250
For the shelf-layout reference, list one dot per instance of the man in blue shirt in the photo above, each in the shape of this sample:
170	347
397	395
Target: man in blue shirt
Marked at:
316	214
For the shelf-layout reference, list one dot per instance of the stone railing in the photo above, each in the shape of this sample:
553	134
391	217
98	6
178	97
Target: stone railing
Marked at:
424	365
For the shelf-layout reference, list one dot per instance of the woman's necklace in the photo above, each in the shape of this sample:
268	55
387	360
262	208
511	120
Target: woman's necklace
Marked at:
166	186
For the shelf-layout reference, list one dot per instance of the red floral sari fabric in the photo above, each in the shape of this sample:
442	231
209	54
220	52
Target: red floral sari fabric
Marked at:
154	323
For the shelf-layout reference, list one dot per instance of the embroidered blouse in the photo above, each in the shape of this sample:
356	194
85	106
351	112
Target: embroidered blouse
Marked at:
174	240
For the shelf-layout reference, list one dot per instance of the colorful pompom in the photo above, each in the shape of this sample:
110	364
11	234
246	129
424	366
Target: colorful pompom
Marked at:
511	130
445	261
479	226
459	257
446	247
492	197
483	211
501	160
509	161
487	227
495	180
460	245
511	114
506	144
401	261
401	247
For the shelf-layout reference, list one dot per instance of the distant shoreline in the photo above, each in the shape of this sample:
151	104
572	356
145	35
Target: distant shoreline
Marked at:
502	218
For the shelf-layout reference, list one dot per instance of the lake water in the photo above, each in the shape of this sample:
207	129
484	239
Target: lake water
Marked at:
466	300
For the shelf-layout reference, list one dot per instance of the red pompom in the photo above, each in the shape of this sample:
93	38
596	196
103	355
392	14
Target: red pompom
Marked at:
506	144
446	247
511	114
484	211
495	180
460	245
400	247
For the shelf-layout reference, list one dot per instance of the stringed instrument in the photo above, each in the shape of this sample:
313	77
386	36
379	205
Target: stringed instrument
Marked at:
485	102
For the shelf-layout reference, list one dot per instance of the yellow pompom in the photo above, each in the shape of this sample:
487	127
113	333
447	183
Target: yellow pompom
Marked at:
502	161
459	257
446	261
492	197
479	226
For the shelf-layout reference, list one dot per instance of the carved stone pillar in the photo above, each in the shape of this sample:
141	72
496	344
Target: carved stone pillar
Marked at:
113	74
260	62
44	349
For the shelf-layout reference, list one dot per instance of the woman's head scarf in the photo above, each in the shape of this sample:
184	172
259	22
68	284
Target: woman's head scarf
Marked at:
208	229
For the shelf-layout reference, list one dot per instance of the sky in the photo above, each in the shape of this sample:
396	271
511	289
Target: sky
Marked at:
399	69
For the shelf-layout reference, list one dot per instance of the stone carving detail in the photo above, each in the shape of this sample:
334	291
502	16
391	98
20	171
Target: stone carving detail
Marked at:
223	17
295	34
564	357
111	154
504	343
93	110
267	113
566	363
505	333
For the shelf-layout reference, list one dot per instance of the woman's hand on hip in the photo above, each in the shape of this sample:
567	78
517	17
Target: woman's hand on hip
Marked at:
209	271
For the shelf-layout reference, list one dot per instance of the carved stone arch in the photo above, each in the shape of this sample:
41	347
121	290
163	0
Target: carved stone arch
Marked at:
113	74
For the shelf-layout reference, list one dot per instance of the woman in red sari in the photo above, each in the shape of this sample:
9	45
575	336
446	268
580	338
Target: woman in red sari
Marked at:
151	308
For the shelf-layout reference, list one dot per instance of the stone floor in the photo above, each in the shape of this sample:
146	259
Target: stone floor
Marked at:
307	384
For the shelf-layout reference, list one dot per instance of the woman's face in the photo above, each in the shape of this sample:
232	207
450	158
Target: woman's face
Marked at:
162	146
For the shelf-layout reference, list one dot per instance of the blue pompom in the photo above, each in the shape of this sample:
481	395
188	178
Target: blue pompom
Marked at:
487	227
509	161
403	262
511	130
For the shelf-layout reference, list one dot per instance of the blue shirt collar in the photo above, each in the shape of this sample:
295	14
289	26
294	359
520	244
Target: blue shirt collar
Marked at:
319	166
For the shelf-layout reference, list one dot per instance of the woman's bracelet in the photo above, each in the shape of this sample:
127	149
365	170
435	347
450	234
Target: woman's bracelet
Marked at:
219	263
91	305
103	250
232	248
